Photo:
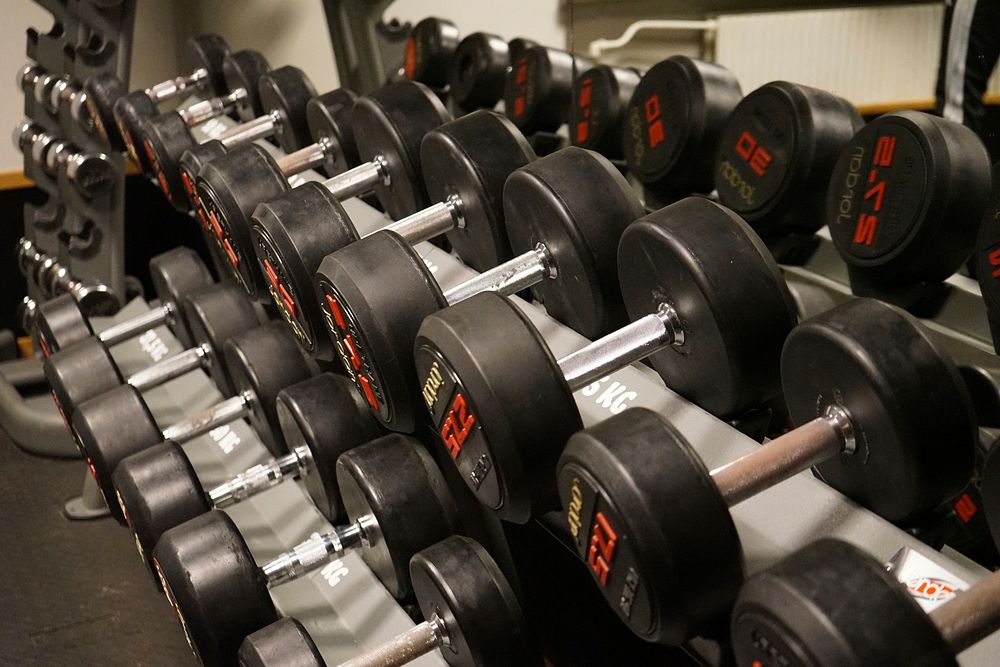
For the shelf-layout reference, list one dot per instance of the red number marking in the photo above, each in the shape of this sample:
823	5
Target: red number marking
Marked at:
457	426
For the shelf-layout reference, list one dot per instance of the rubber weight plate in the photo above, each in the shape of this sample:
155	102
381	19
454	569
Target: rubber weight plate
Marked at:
987	258
103	91
189	166
914	426
776	154
600	97
229	189
291	236
264	361
498	402
80	372
457	581
539	92
328	117
477	71
165	138
650	524
577	204
242	70
176	274
471	158
796	613
214	315
372	487
906	197
157	489
284	642
690	255
374	294
390	123
428	51
214	586
327	417
109	428
286	91
209	51
673	124
130	112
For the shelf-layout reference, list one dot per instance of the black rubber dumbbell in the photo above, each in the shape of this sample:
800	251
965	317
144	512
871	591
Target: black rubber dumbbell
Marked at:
261	362
211	316
320	419
832	604
538	95
91	174
776	155
505	423
600	103
883	416
108	99
565	214
388	126
328	117
209	575
673	124
471	613
466	162
60	322
477	72
429	50
904	204
279	110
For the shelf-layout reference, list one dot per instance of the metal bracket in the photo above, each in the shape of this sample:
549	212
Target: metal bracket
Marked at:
368	50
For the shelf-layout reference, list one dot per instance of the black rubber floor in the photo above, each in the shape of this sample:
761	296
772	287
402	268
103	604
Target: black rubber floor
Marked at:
73	593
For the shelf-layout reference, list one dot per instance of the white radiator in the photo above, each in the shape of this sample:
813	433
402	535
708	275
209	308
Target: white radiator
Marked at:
880	55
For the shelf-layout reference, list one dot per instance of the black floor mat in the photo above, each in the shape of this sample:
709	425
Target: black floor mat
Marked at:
73	593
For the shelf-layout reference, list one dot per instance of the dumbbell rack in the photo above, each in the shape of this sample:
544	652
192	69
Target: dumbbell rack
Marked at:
86	235
346	610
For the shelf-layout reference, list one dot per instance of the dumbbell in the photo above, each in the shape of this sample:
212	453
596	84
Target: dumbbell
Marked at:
830	603
211	316
116	424
505	423
600	103
465	162
320	418
538	95
905	200
328	117
883	416
776	155
673	123
565	214
387	126
477	72
220	594
52	278
278	109
471	614
428	52
90	173
116	111
62	322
